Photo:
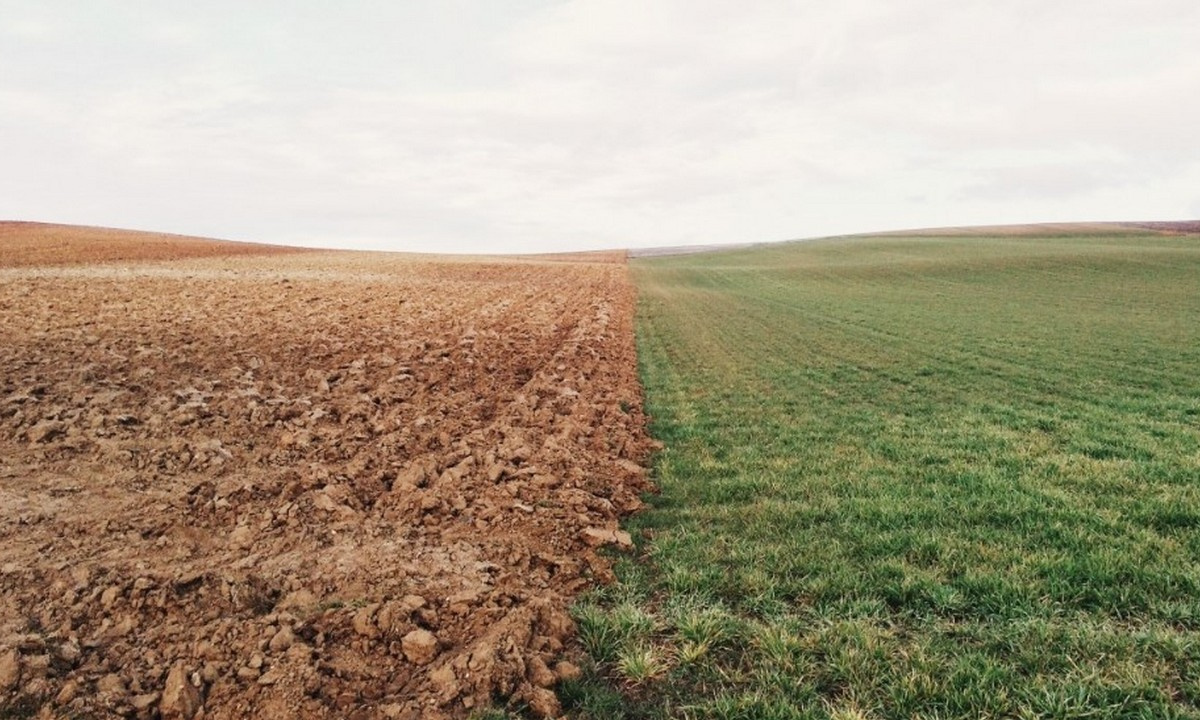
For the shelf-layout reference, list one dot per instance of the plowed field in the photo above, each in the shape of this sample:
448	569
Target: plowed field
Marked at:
306	484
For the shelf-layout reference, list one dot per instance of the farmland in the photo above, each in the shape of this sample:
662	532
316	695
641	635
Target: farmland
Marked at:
954	475
943	476
239	481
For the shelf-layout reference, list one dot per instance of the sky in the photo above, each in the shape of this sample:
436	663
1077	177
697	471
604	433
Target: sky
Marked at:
530	125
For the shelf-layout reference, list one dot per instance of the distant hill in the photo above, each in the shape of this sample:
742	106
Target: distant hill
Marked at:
1181	227
26	244
1076	228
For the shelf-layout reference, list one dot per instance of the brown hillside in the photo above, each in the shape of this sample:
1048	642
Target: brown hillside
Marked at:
29	244
1181	227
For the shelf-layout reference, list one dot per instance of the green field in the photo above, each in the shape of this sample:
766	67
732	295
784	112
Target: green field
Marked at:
940	477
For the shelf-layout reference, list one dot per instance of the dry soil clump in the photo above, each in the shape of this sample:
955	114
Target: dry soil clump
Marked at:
309	484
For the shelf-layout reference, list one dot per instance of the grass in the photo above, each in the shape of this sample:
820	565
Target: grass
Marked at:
914	477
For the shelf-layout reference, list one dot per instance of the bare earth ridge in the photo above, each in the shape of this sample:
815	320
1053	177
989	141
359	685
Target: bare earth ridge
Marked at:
304	484
27	244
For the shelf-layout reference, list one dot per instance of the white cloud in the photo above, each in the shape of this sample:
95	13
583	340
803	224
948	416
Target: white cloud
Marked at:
548	125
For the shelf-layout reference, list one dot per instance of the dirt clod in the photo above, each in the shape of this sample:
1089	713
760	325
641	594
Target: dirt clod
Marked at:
539	673
112	685
68	692
596	537
566	670
10	669
180	699
543	703
281	640
420	646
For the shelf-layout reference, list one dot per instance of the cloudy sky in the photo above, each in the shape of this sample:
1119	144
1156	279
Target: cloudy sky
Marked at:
530	125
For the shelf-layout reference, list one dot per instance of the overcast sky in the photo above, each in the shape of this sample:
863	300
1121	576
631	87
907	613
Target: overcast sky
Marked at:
528	125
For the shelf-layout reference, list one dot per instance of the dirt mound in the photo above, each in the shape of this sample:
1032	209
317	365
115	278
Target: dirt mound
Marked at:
27	244
307	485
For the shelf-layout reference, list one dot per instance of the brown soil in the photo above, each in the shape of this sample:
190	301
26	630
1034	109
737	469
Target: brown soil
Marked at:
27	244
1181	227
307	484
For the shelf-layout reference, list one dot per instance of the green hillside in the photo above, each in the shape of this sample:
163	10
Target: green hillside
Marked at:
952	477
